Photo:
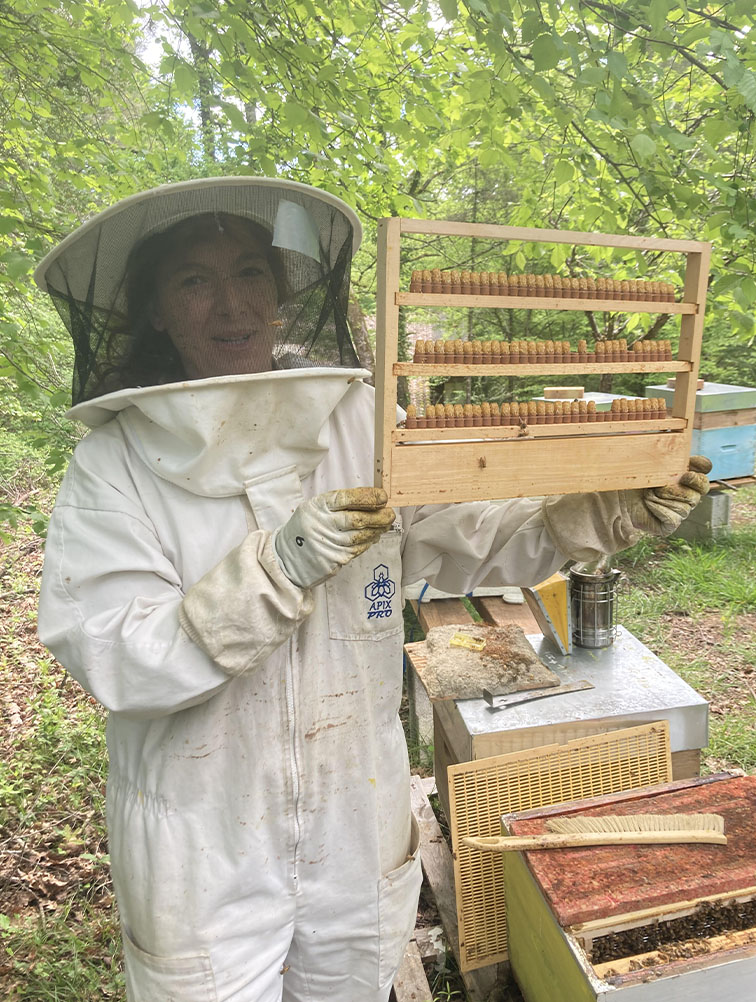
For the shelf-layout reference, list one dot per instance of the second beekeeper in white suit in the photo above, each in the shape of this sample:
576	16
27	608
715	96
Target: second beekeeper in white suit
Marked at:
221	575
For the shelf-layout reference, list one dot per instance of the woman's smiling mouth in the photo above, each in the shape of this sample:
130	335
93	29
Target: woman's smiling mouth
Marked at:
232	338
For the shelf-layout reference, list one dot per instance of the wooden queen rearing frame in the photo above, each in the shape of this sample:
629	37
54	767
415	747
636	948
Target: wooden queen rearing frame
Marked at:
426	466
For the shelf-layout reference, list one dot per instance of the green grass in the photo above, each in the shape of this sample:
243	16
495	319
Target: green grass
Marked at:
694	605
72	956
65	741
59	937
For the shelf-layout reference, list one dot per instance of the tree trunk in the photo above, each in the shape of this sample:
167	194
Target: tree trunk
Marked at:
250	117
200	56
362	346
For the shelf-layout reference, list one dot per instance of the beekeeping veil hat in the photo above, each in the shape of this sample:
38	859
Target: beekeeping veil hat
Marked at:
310	236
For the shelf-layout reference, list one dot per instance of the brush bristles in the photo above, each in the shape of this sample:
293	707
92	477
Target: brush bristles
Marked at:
638	823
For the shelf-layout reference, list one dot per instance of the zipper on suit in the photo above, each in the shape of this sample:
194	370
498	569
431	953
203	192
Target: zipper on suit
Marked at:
290	709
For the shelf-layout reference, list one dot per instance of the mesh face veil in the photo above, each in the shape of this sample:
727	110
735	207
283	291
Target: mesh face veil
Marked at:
205	278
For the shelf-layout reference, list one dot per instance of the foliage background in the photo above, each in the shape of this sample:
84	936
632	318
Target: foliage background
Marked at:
633	117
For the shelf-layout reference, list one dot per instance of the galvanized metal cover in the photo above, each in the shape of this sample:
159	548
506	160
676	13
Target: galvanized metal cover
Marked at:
631	686
713	396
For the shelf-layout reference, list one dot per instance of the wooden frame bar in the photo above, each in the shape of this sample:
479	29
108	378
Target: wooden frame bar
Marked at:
540	303
533	368
529	432
494	231
419	466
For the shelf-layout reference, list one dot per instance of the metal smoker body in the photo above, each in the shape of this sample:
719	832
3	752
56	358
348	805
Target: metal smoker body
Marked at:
593	601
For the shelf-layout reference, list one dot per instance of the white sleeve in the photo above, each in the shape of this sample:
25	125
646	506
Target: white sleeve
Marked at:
110	601
480	544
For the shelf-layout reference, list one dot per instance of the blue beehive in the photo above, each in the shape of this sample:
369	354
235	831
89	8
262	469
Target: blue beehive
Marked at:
724	427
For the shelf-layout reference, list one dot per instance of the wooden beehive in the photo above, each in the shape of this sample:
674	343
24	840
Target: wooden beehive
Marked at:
421	465
642	923
480	792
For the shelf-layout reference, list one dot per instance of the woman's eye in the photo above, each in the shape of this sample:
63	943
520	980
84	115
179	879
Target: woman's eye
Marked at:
190	281
251	271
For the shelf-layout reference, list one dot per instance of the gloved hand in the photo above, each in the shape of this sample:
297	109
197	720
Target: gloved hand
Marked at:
585	526
660	510
328	531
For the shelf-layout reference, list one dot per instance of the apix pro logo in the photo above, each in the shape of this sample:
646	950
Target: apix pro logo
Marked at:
379	593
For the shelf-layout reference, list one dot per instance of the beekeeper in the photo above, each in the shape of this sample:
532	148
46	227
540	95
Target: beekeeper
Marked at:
221	575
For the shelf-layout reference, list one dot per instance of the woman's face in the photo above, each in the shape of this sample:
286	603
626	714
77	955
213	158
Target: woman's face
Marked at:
216	300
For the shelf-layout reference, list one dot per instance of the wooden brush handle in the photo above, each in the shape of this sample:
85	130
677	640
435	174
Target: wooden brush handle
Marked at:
506	843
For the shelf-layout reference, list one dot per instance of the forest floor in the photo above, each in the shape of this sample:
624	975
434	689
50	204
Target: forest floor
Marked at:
693	604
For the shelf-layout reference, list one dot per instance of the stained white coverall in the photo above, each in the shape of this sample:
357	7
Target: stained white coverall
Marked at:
261	839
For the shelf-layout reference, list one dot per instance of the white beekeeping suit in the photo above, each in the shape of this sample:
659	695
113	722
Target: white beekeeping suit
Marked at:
261	841
258	804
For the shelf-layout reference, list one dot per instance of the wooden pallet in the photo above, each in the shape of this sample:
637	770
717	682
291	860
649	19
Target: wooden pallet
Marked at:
424	466
492	609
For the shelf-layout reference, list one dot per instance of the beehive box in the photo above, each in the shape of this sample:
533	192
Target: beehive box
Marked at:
713	398
724	427
639	923
631	686
709	520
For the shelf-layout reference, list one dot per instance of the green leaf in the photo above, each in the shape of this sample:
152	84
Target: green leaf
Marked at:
8	224
531	27
543	88
16	264
657	14
643	146
185	77
721	41
747	87
591	214
739	232
481	8
563	171
679	140
545	53
745	292
559	255
732	70
694	34
725	283
449	9
717	129
489	156
591	76
617	64
295	113
234	115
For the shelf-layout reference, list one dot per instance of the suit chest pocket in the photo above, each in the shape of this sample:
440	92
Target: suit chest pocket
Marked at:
364	597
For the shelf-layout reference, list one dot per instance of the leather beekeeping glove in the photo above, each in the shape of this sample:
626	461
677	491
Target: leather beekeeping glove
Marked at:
328	531
244	607
585	526
660	510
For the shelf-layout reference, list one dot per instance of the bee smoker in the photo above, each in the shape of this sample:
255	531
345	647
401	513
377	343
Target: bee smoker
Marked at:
593	604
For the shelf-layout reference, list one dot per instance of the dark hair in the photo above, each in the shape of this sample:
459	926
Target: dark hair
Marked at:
139	355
